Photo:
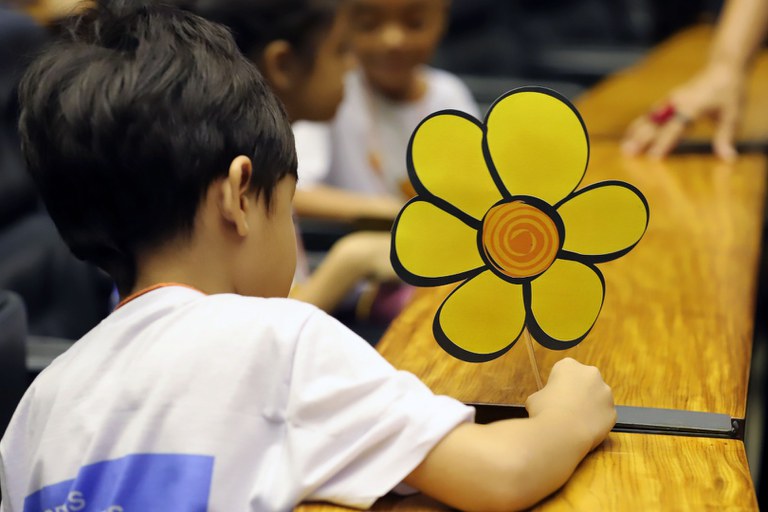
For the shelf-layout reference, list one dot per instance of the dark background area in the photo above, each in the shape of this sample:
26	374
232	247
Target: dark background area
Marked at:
564	44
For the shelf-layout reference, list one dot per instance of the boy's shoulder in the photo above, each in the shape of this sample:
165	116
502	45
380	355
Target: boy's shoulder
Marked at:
447	90
442	76
444	82
186	310
184	304
182	319
177	335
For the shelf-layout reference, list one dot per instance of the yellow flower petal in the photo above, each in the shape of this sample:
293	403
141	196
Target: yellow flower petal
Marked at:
447	160
565	302
604	220
481	319
538	144
432	247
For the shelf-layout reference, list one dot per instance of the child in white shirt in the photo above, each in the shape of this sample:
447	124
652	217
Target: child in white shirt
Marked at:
164	158
361	154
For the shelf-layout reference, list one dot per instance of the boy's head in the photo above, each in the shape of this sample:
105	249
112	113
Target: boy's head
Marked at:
130	118
299	45
392	38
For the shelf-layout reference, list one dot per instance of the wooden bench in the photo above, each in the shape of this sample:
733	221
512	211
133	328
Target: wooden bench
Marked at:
676	329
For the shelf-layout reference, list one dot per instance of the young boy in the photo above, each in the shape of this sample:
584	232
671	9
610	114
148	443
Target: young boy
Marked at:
300	47
361	154
164	158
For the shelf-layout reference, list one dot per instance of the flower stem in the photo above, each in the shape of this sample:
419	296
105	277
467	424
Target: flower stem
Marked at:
532	357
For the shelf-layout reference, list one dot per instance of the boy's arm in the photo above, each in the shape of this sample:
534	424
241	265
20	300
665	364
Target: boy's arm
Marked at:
338	204
507	465
510	465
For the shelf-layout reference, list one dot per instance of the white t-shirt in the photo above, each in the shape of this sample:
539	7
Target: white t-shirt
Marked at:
186	402
339	153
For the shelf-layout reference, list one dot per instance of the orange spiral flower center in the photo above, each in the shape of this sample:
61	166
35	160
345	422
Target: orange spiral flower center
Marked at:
519	239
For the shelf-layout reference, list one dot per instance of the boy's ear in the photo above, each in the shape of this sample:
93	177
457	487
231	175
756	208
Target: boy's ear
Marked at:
234	200
280	65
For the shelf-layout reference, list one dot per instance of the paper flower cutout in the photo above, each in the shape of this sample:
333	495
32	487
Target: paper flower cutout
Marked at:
496	207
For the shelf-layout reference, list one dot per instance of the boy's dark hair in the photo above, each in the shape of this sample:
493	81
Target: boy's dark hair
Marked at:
256	23
129	118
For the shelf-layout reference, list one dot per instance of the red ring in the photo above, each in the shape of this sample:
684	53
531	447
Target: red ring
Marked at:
663	114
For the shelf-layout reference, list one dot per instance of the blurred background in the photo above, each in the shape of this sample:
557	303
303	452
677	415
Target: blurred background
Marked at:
568	45
493	45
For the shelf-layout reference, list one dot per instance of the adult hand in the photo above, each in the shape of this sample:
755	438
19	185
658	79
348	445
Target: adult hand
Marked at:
717	91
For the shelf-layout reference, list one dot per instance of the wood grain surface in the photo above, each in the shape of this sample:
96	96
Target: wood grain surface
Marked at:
635	472
676	327
611	105
677	323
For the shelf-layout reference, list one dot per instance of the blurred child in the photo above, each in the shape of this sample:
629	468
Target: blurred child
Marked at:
164	158
361	155
300	46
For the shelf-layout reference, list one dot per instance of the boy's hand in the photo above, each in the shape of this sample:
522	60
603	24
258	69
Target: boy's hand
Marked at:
579	393
512	464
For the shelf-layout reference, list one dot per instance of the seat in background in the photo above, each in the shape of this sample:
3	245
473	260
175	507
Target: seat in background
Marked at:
13	370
